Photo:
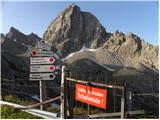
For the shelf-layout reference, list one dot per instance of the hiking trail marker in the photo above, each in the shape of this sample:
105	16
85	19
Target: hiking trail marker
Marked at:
42	67
44	76
43	46
38	53
41	60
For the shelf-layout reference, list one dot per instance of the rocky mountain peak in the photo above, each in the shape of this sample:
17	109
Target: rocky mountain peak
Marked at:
34	36
15	42
12	29
72	7
73	28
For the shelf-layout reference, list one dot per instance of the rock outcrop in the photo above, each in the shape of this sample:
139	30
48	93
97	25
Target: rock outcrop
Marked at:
80	38
13	44
134	50
72	29
85	46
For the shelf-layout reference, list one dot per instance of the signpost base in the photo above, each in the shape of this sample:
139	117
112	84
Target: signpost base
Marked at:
42	89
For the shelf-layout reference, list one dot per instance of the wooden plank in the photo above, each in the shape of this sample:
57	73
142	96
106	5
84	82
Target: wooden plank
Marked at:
97	84
105	115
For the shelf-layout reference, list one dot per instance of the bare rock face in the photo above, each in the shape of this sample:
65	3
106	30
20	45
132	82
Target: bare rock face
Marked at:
13	44
87	48
74	28
134	50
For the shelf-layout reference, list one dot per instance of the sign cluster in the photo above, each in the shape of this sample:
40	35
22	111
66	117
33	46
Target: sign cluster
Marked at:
42	63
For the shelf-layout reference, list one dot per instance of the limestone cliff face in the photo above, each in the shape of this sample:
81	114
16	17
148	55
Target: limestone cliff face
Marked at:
74	28
134	50
86	46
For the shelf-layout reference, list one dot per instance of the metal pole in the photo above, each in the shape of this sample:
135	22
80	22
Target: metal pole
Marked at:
42	88
62	93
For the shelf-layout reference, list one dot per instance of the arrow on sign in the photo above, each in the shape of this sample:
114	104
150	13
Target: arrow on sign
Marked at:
42	76
42	68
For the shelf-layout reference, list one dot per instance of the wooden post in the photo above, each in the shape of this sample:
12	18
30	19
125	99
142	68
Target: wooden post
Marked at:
122	108
42	89
63	106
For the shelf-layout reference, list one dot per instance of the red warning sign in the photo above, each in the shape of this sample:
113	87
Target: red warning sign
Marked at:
91	95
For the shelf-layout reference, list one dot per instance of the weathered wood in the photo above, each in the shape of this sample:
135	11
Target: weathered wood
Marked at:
97	84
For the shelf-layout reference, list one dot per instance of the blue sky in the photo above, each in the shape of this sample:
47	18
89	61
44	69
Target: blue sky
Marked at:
140	18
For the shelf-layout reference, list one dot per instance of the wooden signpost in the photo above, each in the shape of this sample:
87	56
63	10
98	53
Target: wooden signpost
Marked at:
42	68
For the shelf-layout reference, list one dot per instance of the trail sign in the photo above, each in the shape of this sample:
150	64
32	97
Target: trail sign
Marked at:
41	60
42	68
43	46
36	53
91	95
42	76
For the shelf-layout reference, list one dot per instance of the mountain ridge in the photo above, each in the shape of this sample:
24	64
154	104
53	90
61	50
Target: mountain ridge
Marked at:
83	44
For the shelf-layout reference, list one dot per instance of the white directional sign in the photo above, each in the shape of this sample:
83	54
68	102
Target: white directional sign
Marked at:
43	46
41	60
42	76
36	53
42	68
